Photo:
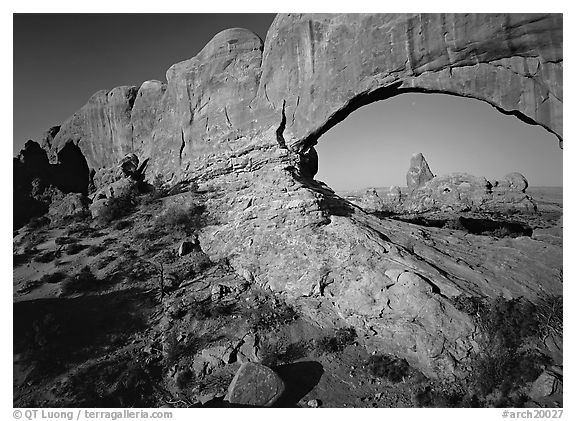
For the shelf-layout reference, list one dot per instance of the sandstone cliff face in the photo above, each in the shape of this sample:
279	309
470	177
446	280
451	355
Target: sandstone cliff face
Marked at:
242	118
205	108
102	128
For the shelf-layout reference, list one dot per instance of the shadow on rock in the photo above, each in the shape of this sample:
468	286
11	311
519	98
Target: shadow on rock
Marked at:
299	379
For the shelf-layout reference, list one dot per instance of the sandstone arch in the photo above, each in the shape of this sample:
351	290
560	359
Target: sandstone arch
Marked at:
322	67
312	71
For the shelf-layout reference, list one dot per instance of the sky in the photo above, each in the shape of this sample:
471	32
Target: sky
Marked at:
61	60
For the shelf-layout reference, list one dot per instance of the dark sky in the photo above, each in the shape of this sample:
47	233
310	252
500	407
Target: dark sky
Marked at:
61	60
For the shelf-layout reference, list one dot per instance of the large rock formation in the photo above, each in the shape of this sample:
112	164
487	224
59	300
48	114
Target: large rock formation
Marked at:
456	192
464	192
302	83
419	172
242	118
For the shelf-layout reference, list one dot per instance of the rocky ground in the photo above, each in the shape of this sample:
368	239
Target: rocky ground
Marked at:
131	312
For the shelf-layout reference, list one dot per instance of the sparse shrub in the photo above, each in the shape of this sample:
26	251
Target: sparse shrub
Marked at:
117	207
266	317
185	378
38	222
471	305
74	248
275	353
203	310
105	261
53	278
189	218
269	355
83	281
61	241
549	314
173	349
95	250
122	224
79	228
388	367
508	357
29	286
20	258
341	339
48	256
296	350
508	322
501	232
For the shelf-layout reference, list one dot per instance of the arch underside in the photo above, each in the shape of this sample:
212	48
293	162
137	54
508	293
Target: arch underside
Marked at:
318	68
387	92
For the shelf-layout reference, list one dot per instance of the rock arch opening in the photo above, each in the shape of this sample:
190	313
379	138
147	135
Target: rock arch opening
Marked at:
373	139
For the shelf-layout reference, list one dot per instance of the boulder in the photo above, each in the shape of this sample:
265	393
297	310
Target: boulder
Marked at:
371	201
419	172
255	385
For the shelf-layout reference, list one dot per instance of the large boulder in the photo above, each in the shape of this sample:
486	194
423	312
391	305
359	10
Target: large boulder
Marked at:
255	385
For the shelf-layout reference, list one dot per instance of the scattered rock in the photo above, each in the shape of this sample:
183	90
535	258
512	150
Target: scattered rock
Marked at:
313	403
255	385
